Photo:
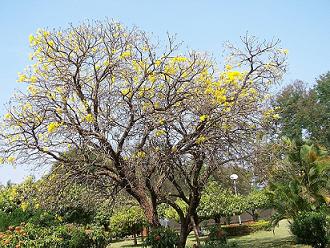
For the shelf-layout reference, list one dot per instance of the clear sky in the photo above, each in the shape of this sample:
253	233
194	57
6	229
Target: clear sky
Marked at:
301	25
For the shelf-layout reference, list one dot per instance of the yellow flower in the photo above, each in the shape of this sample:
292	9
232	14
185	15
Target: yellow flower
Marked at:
228	67
51	43
90	118
201	139
125	91
33	90
27	106
276	116
285	51
33	79
11	159
140	154
8	116
53	126
125	54
24	206
152	78
31	39
21	77
203	117
160	133
179	59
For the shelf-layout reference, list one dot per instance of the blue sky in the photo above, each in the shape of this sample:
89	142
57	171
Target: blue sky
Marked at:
301	25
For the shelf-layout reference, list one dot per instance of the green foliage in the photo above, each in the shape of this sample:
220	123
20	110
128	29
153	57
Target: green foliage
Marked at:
169	212
44	219
63	236
217	238
245	229
126	221
216	200
310	228
256	199
303	183
303	109
162	238
13	218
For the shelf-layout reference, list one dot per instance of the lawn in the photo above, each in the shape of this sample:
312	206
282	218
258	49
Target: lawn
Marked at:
281	238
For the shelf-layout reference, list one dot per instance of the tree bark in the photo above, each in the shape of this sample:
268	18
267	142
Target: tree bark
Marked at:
217	219
196	231
150	211
184	232
134	238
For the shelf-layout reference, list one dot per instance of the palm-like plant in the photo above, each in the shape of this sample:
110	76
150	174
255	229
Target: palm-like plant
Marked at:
303	182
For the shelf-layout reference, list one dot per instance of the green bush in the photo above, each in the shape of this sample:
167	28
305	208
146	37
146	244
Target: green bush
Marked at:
64	236
43	219
310	228
162	238
217	238
217	234
246	228
13	218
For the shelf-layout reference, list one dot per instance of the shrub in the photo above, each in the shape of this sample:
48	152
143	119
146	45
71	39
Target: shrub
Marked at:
13	218
310	228
246	228
64	236
162	238
217	238
217	234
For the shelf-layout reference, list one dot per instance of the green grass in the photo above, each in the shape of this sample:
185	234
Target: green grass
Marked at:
281	238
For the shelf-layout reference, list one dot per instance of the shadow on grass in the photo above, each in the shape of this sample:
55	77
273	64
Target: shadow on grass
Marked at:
268	242
125	243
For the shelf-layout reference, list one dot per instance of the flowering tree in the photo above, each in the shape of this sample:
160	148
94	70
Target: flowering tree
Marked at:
117	108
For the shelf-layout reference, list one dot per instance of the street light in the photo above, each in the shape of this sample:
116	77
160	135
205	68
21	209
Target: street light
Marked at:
234	177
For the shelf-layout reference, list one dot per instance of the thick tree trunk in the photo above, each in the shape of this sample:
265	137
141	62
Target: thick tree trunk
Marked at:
150	211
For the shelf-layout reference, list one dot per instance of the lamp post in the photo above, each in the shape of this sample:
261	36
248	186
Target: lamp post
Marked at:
234	177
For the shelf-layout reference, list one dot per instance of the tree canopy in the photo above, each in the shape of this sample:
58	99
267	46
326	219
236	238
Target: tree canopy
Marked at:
114	105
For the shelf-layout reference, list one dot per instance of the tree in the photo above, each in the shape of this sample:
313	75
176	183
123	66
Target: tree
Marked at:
137	115
255	200
127	220
320	127
217	202
305	112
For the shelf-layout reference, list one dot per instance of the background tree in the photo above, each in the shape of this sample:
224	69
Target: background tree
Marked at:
256	200
217	202
137	114
128	220
305	112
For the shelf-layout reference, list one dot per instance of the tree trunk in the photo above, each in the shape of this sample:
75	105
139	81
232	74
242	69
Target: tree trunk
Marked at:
217	219
196	231
228	219
135	239
150	212
184	232
254	215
